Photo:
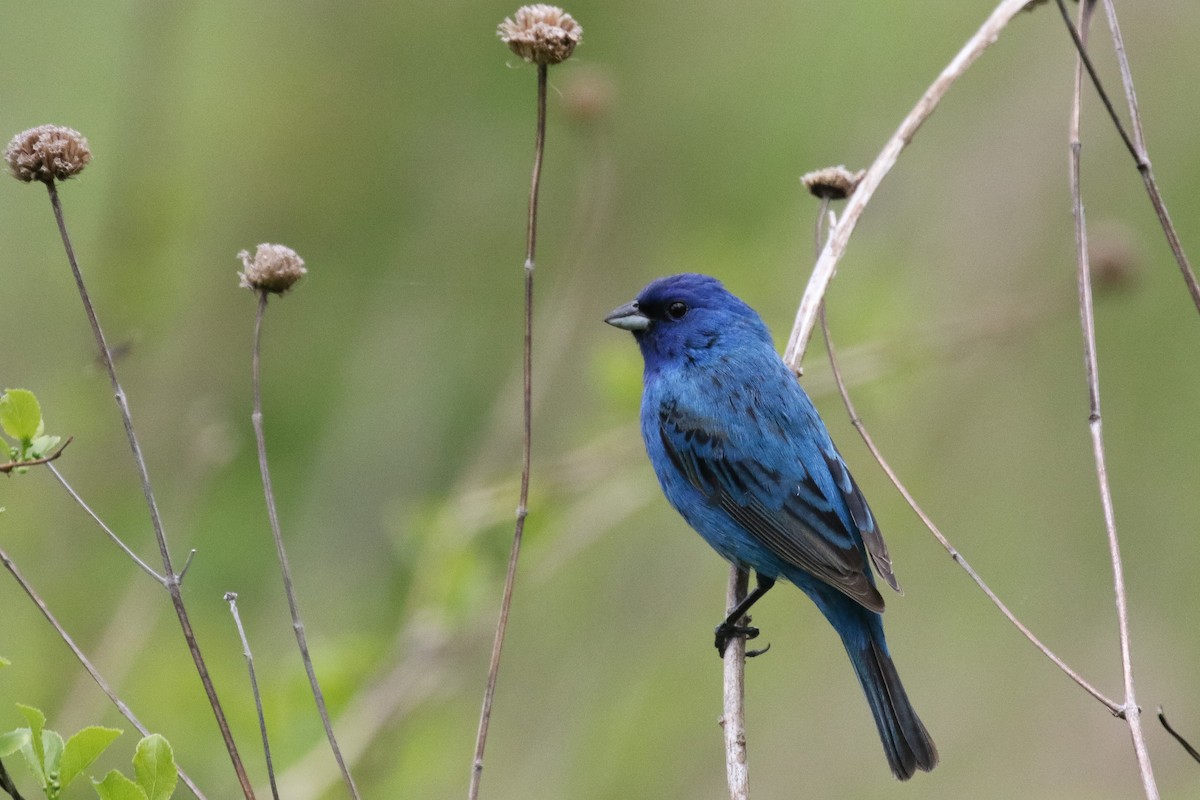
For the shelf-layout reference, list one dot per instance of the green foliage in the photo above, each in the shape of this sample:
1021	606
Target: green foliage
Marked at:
154	765
21	420
13	741
116	786
56	764
20	414
154	768
83	749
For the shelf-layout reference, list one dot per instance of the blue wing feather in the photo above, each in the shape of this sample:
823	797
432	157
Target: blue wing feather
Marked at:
776	497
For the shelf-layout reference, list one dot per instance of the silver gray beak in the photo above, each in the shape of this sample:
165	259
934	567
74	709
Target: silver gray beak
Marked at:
628	317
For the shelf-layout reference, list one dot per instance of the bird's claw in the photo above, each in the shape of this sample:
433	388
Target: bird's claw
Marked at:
727	631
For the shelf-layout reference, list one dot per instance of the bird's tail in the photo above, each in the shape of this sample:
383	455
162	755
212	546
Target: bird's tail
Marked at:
905	740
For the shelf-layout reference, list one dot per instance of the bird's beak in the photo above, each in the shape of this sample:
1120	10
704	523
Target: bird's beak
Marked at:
628	317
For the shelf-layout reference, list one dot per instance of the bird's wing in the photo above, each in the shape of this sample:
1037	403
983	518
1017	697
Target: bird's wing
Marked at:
864	520
787	513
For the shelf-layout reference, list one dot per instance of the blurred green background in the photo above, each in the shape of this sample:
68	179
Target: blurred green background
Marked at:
391	145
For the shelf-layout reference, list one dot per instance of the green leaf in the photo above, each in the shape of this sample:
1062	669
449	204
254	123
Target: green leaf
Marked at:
116	786
84	748
37	722
20	415
12	741
4	662
42	446
52	743
154	764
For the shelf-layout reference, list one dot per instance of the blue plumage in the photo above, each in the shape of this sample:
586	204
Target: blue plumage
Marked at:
743	456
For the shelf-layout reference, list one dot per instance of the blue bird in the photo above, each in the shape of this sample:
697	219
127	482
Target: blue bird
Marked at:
743	456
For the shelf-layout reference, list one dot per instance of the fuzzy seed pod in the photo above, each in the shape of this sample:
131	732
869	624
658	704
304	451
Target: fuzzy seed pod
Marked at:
541	33
273	269
47	153
832	183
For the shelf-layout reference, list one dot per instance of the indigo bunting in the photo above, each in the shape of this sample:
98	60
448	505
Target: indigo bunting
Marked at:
743	456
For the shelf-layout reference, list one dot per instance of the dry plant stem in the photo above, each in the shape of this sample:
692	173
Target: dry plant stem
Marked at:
7	785
231	598
826	265
858	424
104	527
273	514
1136	145
861	427
171	579
1191	751
733	718
87	664
485	713
1131	712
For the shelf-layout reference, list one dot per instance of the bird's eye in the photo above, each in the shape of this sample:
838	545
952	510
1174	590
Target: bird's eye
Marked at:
676	310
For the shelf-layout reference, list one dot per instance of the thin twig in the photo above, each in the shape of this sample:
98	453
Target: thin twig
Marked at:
958	557
104	527
1191	751
87	664
1132	712
172	581
231	598
823	272
824	216
8	467
733	718
6	783
1137	144
485	713
276	533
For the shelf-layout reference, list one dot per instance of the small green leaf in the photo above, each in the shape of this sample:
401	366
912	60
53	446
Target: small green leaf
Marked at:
4	662
116	786
37	722
42	446
12	741
20	415
84	748
52	744
154	765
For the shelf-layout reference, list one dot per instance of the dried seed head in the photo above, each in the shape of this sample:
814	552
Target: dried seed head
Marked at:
541	33
274	268
47	153
832	183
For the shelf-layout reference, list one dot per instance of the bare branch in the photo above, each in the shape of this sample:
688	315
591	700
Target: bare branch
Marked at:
171	580
822	274
231	598
485	713
958	557
1191	751
1137	145
1132	713
733	718
87	664
104	527
264	469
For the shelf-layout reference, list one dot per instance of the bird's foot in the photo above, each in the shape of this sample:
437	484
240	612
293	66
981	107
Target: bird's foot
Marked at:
727	631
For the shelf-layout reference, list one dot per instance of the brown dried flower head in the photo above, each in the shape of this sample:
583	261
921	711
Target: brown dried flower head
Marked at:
541	33
832	183
274	268
47	153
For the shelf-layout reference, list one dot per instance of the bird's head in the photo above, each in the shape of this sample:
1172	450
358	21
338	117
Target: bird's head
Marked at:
688	316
